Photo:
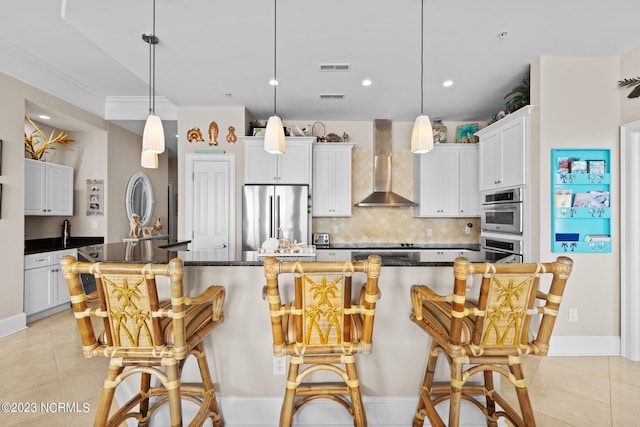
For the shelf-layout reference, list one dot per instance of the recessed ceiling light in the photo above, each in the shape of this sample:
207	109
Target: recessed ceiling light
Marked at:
44	117
447	83
366	82
273	82
502	34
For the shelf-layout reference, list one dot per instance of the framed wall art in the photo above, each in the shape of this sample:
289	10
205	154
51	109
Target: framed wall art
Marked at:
95	197
465	133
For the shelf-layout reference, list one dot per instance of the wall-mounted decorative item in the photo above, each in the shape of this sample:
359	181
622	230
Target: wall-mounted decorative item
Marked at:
258	131
194	135
465	133
231	136
95	197
213	133
36	149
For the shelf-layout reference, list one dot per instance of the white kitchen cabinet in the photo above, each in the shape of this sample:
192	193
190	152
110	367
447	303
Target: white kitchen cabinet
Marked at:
504	150
45	288
470	202
291	167
48	189
445	181
332	180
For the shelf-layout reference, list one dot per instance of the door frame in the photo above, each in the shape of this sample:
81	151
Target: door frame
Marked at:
190	158
629	240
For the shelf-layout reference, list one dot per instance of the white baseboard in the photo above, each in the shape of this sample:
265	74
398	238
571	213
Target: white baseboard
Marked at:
583	345
12	324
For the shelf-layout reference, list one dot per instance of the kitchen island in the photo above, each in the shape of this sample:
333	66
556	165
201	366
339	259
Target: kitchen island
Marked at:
240	349
159	251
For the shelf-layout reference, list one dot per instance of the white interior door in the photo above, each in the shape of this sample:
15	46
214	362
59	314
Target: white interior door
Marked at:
630	241
210	204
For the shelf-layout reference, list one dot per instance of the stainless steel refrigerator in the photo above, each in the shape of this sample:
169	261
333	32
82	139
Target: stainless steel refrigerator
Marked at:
268	208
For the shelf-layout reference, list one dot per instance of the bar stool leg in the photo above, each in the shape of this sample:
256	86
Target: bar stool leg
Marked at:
359	415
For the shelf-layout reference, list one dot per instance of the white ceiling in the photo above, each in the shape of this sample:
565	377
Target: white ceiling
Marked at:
222	52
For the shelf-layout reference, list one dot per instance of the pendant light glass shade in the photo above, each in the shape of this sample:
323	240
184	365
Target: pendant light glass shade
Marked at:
274	136
153	135
422	135
149	160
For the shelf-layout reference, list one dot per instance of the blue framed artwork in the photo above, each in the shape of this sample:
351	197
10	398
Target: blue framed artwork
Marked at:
465	133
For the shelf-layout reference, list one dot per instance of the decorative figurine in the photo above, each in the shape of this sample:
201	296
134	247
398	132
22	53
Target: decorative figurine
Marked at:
194	135
157	225
135	226
231	136
213	133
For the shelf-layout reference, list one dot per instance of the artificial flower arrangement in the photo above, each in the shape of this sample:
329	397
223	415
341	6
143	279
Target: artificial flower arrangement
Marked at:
36	149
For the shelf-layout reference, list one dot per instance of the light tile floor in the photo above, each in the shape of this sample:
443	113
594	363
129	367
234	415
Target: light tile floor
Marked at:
44	365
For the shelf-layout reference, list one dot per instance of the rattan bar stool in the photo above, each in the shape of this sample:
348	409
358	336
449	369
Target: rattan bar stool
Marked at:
322	330
487	336
145	336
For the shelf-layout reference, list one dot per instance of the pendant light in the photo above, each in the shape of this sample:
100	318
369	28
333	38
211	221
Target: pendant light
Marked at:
274	133
422	135
149	160
153	134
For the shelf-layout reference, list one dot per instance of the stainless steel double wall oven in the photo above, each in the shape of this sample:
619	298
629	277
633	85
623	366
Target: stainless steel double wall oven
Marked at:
502	225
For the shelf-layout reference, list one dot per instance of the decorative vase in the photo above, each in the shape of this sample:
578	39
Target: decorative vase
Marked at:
439	132
158	226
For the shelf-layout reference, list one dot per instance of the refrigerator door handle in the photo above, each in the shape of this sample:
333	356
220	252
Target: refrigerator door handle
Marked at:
277	221
271	223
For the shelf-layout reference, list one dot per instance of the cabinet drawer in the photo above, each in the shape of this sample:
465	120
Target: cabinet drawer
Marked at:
38	260
58	255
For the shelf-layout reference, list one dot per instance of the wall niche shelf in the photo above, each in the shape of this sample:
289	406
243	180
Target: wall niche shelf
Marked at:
580	200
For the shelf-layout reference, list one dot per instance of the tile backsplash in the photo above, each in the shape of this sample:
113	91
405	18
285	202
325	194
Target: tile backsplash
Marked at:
391	225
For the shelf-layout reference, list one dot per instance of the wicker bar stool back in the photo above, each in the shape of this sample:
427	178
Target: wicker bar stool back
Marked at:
321	329
487	335
146	336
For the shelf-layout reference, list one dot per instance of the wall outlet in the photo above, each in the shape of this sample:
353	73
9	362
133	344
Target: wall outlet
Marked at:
279	365
430	232
573	315
94	224
336	229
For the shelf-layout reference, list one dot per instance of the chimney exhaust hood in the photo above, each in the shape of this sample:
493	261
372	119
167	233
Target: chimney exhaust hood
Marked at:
382	195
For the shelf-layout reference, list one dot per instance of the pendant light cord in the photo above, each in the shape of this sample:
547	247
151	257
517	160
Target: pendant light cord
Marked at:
422	57
275	47
153	51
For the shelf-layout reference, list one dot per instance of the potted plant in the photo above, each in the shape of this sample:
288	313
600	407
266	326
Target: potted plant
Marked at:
518	97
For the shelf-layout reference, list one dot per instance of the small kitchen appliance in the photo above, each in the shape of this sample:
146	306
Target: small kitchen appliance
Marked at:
321	240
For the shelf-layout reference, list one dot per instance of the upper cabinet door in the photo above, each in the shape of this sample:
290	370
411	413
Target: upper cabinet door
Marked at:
260	167
59	190
332	180
445	182
503	152
291	167
48	189
34	188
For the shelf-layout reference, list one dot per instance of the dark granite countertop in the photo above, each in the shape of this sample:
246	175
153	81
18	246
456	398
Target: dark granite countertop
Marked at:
157	251
35	246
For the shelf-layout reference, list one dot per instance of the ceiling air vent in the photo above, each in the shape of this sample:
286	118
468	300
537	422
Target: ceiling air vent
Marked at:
332	96
335	67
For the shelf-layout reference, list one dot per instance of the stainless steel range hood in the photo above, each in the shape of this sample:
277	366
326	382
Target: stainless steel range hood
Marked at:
382	195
